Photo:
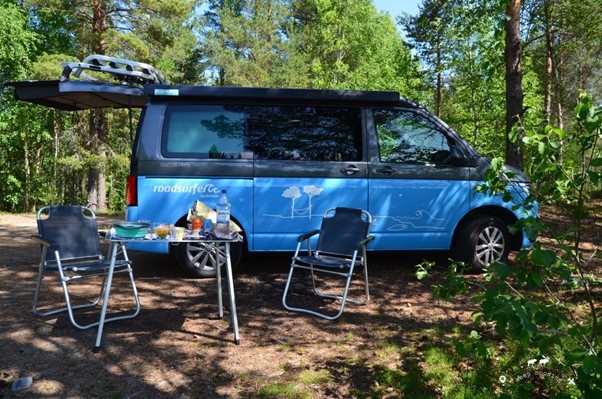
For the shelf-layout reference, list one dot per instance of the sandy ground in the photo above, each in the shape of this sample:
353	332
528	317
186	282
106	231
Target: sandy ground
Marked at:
178	348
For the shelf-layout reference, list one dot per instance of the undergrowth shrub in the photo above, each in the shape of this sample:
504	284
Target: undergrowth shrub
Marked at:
537	330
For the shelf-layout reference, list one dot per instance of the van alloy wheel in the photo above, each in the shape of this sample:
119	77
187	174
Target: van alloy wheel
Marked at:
199	259
490	246
482	242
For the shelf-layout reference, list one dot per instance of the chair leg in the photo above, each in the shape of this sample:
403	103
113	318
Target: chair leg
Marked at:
366	298
305	310
70	309
342	298
345	296
37	293
134	292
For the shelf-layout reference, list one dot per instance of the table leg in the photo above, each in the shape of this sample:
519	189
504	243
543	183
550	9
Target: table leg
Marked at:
231	294
218	265
105	302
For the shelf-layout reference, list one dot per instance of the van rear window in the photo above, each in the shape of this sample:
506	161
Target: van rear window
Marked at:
276	132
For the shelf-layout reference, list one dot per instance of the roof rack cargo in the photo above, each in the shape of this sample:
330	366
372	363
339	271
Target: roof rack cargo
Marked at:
125	71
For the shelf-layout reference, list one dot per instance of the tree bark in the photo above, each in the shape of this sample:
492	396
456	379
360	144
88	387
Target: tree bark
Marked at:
549	64
97	193
514	92
439	100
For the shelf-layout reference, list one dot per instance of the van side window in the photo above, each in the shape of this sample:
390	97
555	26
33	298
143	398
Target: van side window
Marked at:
408	137
203	132
305	133
276	132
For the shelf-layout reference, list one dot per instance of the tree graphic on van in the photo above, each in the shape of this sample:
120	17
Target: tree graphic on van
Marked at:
294	193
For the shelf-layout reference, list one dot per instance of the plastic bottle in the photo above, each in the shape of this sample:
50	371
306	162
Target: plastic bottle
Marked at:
222	225
21	384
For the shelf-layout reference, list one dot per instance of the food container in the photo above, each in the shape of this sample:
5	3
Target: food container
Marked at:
162	230
195	226
177	233
131	229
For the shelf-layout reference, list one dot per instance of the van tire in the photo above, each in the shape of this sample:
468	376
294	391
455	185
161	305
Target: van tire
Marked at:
481	242
198	260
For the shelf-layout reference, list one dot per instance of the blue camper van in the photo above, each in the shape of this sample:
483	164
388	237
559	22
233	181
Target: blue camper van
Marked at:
285	156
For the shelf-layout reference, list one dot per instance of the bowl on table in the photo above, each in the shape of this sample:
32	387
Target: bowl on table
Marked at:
131	229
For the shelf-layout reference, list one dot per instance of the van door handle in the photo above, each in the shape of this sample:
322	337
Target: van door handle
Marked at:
386	170
350	170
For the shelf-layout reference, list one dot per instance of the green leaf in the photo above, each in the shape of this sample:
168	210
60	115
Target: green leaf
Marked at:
421	274
475	335
501	269
541	147
543	257
561	133
591	365
594	177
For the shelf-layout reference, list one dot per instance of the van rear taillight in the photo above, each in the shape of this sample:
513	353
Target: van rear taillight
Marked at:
131	191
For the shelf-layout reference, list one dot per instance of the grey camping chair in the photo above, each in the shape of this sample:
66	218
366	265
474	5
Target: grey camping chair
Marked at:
71	250
341	247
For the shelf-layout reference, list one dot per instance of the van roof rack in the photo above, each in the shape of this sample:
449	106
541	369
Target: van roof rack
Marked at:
127	72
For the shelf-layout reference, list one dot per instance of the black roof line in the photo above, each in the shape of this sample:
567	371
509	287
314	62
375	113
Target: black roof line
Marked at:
186	93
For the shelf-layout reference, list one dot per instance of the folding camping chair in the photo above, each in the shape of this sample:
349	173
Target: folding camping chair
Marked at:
71	250
341	246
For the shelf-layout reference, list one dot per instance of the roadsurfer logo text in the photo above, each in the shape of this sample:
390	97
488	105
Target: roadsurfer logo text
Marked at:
191	189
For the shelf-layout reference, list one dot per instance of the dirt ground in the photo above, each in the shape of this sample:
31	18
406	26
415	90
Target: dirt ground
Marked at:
178	348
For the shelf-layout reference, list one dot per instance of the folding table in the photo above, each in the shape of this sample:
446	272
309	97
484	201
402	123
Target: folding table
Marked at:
117	244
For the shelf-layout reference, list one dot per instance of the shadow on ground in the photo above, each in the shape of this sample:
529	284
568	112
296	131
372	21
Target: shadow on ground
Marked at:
178	348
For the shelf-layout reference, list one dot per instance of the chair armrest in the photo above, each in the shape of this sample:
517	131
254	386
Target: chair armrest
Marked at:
305	236
44	242
366	240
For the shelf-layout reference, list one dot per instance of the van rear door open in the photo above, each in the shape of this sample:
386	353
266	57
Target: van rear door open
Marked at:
78	95
82	85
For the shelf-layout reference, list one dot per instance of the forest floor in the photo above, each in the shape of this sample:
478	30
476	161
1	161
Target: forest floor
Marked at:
178	348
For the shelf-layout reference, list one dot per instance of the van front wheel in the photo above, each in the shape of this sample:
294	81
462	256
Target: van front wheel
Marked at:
199	259
482	242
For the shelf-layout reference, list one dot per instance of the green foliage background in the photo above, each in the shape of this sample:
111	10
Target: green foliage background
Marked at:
452	50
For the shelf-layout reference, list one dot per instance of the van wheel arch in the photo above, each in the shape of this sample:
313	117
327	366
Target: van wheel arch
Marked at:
198	260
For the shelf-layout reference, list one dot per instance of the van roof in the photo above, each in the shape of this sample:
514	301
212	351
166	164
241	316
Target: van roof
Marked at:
139	82
158	92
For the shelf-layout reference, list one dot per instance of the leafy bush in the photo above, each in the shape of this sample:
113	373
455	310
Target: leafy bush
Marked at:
538	324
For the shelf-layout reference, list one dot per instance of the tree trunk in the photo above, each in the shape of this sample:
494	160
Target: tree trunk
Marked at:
97	193
439	100
514	91
549	64
26	166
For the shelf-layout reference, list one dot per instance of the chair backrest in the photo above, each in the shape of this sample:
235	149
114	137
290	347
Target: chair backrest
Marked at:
72	227
341	232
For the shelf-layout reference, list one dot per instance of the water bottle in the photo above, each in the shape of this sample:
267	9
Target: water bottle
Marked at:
222	225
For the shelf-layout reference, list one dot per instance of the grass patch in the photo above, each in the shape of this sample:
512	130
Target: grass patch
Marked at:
283	390
314	377
297	387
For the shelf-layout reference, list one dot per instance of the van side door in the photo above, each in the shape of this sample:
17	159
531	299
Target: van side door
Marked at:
307	159
419	184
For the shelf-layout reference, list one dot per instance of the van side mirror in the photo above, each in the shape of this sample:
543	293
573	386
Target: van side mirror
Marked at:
457	158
